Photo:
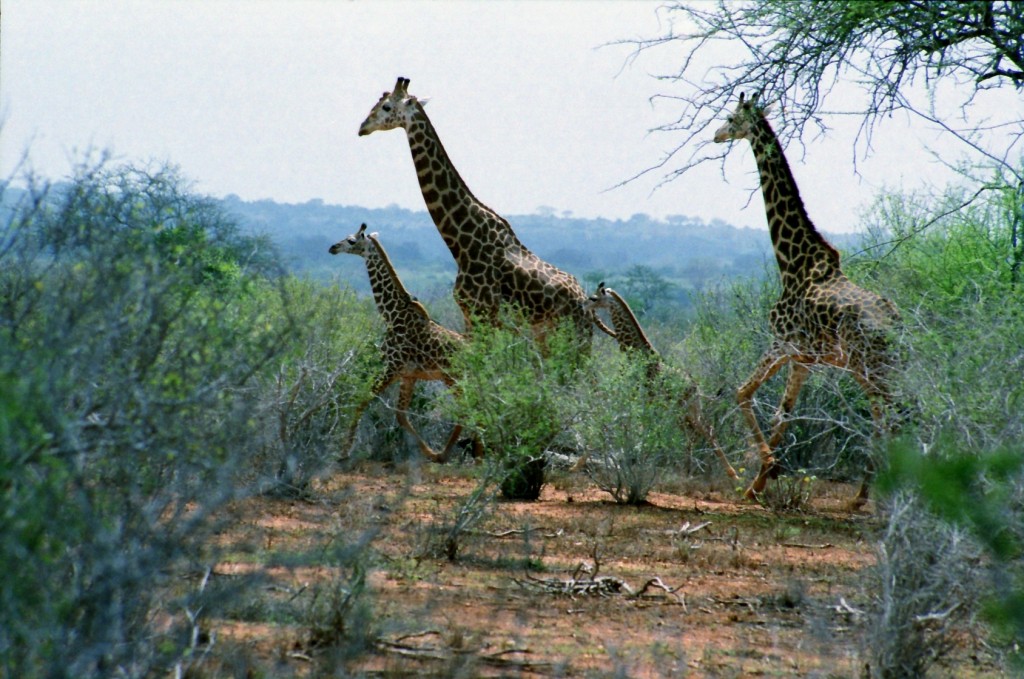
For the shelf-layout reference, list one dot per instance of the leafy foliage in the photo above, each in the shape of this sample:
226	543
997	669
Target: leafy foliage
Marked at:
983	494
306	403
630	428
136	325
938	60
923	589
513	394
962	308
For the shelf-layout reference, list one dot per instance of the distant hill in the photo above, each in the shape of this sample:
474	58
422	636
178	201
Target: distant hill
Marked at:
686	251
673	257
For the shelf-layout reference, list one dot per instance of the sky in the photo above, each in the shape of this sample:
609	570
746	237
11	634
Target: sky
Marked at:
535	103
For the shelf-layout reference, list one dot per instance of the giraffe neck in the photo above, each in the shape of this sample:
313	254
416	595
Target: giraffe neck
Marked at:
627	329
800	250
389	294
453	207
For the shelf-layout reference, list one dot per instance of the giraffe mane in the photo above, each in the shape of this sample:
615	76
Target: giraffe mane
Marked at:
418	307
457	177
787	172
373	238
443	152
629	314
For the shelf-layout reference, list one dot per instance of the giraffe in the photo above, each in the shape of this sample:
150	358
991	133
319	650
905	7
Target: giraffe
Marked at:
494	267
414	347
632	338
820	318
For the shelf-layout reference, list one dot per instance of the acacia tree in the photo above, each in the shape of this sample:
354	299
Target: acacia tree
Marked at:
932	58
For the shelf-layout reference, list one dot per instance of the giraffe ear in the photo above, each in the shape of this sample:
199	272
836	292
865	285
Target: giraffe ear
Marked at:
375	235
424	101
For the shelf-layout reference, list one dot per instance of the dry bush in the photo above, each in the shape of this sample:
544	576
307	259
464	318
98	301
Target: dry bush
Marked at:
923	591
629	433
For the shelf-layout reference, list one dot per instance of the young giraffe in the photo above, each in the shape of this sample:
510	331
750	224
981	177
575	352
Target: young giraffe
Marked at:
414	347
820	317
632	338
493	265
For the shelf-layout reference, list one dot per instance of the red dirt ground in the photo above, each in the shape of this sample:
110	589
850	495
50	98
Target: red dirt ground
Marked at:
754	593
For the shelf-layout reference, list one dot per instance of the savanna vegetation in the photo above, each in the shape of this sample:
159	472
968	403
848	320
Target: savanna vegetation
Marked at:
173	403
160	370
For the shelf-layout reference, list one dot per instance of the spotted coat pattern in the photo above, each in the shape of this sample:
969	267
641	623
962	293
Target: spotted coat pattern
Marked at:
821	317
494	267
414	347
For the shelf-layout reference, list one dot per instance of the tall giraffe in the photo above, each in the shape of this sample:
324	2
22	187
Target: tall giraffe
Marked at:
414	347
632	338
493	265
821	318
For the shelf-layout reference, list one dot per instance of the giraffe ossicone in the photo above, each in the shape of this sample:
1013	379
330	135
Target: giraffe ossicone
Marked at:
821	317
414	347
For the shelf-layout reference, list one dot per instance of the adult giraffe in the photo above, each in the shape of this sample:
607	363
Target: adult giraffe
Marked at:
821	318
494	267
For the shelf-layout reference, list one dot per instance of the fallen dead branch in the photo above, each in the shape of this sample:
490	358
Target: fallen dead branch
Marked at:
521	531
687	529
505	659
598	586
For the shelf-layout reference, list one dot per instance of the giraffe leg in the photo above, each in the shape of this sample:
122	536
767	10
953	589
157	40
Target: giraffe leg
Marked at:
878	397
861	498
580	462
798	373
379	385
405	392
453	438
771	362
350	436
694	418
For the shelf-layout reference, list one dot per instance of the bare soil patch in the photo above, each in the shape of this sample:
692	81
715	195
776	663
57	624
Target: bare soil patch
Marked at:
695	583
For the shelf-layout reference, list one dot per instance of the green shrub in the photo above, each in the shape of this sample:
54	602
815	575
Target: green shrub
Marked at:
953	265
305	404
514	396
963	311
132	323
982	493
630	428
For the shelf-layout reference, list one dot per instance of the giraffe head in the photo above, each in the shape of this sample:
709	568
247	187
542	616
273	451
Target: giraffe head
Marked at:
602	299
394	109
356	244
740	124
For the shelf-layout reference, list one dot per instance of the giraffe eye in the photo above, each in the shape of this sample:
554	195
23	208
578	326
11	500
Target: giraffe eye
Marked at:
386	108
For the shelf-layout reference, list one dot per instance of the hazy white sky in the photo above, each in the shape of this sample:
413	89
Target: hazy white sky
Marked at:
263	98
